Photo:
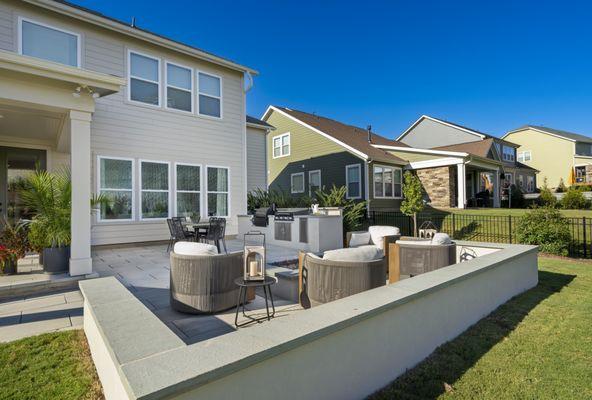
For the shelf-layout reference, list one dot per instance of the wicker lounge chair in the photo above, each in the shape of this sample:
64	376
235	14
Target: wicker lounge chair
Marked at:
205	283
322	281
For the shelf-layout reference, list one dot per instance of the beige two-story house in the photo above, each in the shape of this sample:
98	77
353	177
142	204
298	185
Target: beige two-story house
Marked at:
156	125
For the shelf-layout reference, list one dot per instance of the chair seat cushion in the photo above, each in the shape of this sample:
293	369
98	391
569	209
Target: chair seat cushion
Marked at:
361	253
378	232
359	239
194	249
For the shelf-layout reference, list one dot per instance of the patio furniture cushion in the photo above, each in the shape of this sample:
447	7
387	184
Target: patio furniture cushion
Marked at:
361	253
195	249
441	239
378	232
359	239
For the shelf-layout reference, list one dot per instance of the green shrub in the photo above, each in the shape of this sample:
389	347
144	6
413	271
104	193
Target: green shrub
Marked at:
547	199
561	187
517	197
582	188
574	200
353	211
545	227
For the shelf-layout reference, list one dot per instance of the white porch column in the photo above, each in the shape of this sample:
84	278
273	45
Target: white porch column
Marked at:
80	258
496	189
461	185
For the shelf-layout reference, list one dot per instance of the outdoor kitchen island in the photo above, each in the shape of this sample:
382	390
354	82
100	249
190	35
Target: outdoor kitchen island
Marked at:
296	228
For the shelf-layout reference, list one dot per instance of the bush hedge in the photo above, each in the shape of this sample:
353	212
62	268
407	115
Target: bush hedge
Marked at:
547	228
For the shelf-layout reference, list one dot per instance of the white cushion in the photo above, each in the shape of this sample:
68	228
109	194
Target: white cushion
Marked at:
441	239
359	239
362	253
378	232
195	249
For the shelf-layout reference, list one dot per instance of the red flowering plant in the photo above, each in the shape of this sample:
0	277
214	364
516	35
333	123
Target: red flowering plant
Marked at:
13	243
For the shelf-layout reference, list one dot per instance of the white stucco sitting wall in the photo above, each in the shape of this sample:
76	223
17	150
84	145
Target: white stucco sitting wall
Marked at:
346	349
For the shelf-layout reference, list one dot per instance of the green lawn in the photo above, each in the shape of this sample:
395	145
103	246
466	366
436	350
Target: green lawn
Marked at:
507	211
49	366
536	346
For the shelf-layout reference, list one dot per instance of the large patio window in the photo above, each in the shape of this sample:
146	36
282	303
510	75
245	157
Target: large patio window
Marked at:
188	192
154	184
387	182
210	95
49	43
144	79
179	87
218	192
353	181
116	184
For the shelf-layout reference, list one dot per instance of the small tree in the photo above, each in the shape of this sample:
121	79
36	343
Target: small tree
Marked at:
412	198
560	187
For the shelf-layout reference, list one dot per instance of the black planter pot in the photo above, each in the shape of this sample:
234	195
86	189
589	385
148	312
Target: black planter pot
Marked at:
56	259
10	268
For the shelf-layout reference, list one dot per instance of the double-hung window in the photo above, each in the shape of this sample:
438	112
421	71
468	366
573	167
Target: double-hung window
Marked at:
508	153
154	188
218	191
144	79
116	184
188	190
353	181
179	87
297	182
314	182
387	182
49	43
281	145
524	156
209	95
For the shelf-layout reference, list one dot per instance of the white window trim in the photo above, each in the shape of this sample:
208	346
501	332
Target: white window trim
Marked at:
522	156
133	189
32	21
129	79
309	180
347	168
209	95
292	184
289	145
510	157
166	86
207	191
383	185
152	190
200	191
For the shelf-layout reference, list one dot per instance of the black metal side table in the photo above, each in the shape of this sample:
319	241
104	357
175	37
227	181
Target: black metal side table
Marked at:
242	293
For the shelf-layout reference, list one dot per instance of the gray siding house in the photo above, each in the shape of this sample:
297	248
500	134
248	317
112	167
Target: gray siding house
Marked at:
156	125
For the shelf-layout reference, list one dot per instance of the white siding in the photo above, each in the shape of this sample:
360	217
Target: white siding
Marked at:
256	161
123	129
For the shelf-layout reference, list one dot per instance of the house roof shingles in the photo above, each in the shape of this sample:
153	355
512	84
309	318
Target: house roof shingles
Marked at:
478	148
568	135
352	136
256	121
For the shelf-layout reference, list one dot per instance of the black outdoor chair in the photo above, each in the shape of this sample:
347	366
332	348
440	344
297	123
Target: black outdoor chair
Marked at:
178	232
215	232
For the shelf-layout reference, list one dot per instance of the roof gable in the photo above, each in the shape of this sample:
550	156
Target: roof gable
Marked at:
478	134
573	137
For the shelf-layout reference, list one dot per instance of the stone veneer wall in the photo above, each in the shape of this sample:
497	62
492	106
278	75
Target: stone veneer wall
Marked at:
439	184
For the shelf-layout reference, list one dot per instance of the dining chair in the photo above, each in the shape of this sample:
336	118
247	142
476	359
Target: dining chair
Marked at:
215	232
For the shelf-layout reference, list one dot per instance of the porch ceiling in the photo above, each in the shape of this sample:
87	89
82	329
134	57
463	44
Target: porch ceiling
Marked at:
40	125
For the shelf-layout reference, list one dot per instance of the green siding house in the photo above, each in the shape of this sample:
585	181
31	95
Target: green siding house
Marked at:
307	151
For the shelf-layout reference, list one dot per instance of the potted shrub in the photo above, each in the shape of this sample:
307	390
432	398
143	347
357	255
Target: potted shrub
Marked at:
13	246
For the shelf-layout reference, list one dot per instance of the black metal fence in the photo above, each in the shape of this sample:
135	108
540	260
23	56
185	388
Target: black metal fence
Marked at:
484	228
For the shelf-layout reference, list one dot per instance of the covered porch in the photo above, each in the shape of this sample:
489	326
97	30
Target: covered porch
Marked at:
45	122
482	185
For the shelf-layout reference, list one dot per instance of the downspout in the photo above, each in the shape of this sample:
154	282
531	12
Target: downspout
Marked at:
367	185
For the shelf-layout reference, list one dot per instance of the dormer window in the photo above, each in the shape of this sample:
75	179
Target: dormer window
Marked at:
509	153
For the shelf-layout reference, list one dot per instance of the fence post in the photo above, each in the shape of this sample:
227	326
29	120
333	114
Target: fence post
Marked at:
453	226
510	227
585	245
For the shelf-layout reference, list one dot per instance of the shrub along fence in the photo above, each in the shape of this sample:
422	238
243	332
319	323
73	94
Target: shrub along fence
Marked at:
483	228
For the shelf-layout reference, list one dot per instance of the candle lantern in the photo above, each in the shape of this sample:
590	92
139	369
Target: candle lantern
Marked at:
254	257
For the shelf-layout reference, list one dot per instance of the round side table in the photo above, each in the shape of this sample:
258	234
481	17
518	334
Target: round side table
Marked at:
242	294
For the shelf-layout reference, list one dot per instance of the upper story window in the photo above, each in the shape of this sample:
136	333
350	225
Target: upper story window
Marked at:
583	149
179	87
509	153
387	182
210	95
144	79
281	145
524	155
49	43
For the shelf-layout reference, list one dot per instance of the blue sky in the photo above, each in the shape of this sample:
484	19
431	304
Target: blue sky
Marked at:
490	65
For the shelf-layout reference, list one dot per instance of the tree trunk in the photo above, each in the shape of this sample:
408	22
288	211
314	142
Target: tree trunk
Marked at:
415	224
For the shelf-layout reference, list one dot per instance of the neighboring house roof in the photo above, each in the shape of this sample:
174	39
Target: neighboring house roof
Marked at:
574	137
257	123
472	131
524	166
478	148
95	17
351	137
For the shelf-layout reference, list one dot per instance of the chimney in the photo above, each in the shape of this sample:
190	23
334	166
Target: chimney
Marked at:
369	128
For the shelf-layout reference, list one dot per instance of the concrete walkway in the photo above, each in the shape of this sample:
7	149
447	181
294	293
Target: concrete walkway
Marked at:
33	315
